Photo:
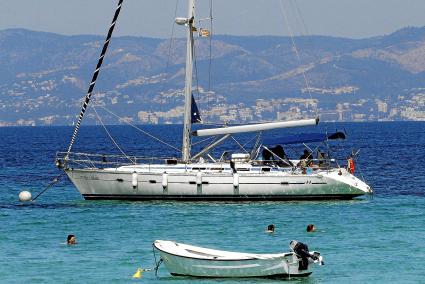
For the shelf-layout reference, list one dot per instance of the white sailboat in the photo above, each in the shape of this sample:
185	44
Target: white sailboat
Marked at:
199	176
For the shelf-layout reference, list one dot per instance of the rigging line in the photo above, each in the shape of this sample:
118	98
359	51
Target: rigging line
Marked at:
237	124
256	148
282	9
307	33
300	18
94	78
203	140
239	144
214	124
196	73
298	15
209	64
141	130
304	29
171	38
110	136
250	140
196	67
53	182
167	65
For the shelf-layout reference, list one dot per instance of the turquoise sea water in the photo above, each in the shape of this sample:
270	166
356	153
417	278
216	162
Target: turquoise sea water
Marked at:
368	240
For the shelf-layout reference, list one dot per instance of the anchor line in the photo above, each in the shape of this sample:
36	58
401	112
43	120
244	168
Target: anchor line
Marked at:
53	182
157	263
94	78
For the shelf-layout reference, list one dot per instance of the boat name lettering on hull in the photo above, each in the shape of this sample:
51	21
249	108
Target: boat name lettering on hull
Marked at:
88	177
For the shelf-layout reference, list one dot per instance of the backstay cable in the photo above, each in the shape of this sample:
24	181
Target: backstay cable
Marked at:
282	9
171	39
94	78
210	47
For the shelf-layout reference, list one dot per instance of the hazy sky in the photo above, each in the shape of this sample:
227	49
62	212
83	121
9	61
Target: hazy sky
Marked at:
347	18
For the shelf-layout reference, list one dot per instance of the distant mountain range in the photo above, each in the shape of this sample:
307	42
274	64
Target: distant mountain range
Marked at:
44	77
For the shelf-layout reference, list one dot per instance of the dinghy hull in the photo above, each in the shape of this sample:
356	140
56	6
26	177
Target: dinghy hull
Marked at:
185	260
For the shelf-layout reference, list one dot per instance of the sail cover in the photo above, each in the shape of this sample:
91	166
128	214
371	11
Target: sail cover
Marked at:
255	127
196	116
304	138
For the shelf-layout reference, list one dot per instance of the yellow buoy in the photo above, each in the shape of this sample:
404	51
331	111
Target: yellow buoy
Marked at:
138	273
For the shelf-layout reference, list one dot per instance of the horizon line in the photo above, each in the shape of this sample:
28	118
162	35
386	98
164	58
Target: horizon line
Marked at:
219	35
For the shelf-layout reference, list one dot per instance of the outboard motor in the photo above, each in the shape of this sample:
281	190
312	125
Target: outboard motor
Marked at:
301	250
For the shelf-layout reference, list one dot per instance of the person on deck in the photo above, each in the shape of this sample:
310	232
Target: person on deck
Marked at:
320	158
350	165
282	159
306	155
305	159
267	157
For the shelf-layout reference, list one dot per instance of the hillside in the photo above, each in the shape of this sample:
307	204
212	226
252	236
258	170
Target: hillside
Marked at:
44	76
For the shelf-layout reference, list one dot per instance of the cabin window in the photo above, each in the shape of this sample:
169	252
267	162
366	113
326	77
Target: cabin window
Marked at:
217	169
198	169
171	162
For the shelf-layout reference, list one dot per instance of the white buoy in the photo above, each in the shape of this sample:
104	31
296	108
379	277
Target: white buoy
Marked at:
25	196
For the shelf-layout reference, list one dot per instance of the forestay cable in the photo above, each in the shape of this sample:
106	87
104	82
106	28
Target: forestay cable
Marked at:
94	78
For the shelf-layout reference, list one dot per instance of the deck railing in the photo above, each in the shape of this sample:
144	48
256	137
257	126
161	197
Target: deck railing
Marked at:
87	160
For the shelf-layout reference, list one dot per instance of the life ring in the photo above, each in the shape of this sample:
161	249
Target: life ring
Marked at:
351	167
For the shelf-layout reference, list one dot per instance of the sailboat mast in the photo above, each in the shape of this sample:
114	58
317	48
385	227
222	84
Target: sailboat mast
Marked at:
188	83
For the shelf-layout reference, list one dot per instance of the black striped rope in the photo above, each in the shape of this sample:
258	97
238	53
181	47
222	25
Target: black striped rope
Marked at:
94	78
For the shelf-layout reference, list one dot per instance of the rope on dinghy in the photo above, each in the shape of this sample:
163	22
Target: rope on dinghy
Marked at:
157	263
94	78
139	270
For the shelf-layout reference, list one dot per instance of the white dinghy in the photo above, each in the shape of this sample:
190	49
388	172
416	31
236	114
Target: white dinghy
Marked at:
186	260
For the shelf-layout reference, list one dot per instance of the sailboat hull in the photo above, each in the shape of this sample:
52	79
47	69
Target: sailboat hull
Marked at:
218	198
130	185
